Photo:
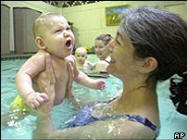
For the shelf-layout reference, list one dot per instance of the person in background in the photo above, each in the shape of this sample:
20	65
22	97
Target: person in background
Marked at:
81	59
150	46
102	52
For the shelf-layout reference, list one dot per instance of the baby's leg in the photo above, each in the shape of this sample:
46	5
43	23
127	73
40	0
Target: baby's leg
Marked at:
12	117
18	110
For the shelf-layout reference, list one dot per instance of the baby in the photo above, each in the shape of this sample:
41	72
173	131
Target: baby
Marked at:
81	58
51	69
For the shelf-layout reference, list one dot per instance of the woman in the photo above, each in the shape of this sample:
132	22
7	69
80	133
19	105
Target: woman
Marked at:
102	52
101	43
150	46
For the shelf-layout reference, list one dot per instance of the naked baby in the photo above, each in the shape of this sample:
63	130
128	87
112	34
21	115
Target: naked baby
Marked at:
51	69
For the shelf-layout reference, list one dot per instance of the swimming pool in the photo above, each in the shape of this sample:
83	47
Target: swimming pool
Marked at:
171	121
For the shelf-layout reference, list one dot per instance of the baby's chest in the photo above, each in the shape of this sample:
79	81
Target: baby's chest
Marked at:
61	76
60	71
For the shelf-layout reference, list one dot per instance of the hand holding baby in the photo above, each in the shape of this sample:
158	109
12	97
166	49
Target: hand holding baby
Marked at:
35	99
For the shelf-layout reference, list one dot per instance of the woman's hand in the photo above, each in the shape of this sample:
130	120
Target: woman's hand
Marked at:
36	99
70	79
50	87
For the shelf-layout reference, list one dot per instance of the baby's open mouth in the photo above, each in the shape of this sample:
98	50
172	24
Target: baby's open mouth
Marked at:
68	43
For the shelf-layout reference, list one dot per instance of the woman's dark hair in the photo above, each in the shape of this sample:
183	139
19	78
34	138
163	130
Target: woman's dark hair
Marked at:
178	88
104	37
163	35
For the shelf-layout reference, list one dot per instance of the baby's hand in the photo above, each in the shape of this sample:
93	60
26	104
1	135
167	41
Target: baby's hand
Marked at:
35	99
101	84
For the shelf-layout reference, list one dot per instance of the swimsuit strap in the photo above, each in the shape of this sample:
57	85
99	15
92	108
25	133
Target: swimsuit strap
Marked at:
136	118
85	117
106	61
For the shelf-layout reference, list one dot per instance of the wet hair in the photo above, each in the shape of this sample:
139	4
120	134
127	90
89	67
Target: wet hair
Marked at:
104	37
163	35
41	21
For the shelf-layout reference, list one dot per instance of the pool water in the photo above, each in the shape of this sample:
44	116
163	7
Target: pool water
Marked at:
171	121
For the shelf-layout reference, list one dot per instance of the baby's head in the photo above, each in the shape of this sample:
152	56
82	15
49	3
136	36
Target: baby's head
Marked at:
53	34
100	45
81	55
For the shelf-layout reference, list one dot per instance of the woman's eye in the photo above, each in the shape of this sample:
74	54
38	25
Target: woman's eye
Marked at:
117	42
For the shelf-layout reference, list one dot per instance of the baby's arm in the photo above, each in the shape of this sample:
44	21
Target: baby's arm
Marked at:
24	81
83	79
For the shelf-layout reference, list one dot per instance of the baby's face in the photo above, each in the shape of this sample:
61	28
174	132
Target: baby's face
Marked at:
101	49
81	56
58	37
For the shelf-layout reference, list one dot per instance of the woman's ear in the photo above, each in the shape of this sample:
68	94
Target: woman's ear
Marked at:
40	43
149	65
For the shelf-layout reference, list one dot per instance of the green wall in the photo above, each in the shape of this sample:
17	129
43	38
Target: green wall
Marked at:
89	20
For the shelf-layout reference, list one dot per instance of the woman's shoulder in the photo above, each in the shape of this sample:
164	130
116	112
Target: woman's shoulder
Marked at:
133	129
123	128
108	59
101	65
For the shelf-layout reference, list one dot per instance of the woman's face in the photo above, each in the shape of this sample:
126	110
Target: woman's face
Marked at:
122	65
101	50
